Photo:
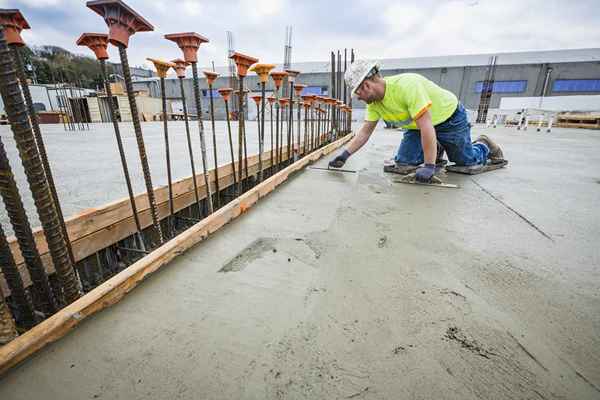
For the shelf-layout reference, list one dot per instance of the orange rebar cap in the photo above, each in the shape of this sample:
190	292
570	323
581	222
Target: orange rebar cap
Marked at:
292	74
298	88
225	93
277	77
262	70
243	62
121	19
180	67
13	22
210	76
97	42
284	102
188	42
271	99
162	67
257	99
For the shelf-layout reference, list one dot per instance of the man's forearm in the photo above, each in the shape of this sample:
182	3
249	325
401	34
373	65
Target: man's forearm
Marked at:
359	140
429	143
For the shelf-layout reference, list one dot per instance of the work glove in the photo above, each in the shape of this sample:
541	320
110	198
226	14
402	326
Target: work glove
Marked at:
340	160
425	173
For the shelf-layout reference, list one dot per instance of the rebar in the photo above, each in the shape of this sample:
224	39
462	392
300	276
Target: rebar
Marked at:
113	117
271	131
262	129
165	118
140	141
290	137
36	177
214	138
299	116
15	284
259	140
277	144
230	143
33	117
189	143
8	330
241	136
209	201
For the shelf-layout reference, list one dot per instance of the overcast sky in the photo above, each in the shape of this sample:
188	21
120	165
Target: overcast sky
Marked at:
375	28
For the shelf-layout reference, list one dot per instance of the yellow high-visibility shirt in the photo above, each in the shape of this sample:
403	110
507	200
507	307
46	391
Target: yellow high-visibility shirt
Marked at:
407	97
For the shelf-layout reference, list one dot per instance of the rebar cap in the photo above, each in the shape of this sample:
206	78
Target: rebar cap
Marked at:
225	93
292	74
180	67
13	22
298	88
210	76
97	42
277	77
243	62
262	70
121	19
188	42
271	99
162	67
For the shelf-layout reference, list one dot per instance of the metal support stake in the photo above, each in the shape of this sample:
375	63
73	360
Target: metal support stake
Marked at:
8	330
40	143
241	135
140	141
34	170
15	284
22	229
210	77
202	140
189	143
170	221
230	142
262	129
290	136
113	117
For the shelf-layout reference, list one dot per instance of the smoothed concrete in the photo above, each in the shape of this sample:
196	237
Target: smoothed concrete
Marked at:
350	286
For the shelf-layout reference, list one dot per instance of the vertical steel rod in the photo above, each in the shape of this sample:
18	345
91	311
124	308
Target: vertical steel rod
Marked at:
214	138
36	177
15	283
22	229
165	117
189	143
140	141
33	117
230	143
262	129
113	117
202	140
240	133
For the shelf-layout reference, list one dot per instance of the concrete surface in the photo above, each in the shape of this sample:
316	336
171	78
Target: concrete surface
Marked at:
350	286
87	168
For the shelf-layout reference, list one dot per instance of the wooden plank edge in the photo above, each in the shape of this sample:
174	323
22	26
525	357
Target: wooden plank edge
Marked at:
114	289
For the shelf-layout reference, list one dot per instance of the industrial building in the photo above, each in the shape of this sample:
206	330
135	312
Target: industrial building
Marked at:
517	74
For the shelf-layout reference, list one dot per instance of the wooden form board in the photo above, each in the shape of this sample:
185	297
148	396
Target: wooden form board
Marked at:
114	289
95	229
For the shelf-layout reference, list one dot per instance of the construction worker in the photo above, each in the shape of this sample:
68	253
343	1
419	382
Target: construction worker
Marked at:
431	115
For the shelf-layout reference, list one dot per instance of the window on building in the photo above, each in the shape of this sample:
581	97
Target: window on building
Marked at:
316	90
504	86
576	85
207	93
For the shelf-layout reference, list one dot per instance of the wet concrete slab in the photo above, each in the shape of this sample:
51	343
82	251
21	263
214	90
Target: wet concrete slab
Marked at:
352	286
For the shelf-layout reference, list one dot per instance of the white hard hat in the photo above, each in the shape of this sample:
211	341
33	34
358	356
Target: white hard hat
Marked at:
359	70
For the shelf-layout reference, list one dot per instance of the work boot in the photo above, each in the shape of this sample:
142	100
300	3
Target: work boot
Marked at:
495	155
